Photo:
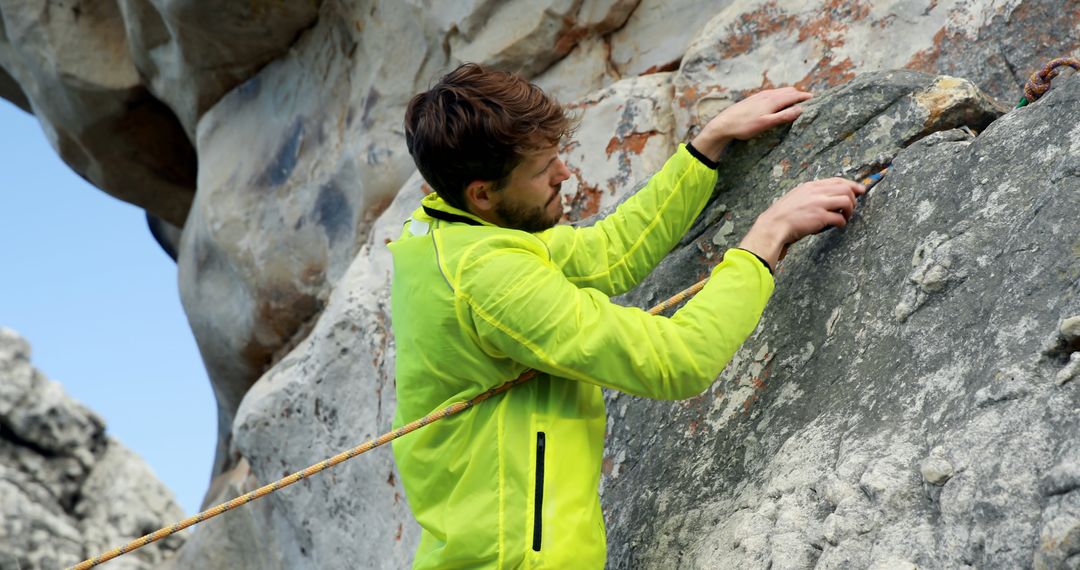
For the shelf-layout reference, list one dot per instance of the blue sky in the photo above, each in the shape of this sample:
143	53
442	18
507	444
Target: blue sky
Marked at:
84	282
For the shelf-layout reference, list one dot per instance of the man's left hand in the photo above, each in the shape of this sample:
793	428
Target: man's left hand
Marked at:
750	117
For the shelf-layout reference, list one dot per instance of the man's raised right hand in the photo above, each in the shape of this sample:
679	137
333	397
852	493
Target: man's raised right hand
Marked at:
807	209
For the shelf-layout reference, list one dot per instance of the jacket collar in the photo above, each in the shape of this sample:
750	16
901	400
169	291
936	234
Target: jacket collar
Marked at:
434	207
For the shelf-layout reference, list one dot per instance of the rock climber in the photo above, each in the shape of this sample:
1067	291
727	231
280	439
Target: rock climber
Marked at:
487	284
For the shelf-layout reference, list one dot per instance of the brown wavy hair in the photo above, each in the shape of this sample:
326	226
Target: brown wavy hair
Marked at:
477	124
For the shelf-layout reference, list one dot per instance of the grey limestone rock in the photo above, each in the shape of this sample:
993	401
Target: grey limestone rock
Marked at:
1070	329
68	491
753	44
838	437
286	118
238	539
841	436
332	392
936	470
1070	371
74	71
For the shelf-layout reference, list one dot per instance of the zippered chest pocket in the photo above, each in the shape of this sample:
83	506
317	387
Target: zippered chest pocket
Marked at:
538	493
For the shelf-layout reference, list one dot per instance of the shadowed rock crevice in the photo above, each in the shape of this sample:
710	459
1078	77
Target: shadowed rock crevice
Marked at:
10	90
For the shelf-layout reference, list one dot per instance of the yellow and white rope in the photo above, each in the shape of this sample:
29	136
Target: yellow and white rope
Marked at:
363	447
349	454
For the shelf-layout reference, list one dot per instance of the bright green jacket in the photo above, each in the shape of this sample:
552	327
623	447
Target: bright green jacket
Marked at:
513	482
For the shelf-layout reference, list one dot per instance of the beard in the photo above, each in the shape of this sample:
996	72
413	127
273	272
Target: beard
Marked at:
527	218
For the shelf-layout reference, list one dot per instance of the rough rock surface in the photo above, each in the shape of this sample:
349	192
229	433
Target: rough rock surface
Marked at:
67	490
631	122
292	110
73	68
273	228
335	389
898	404
241	538
814	45
191	52
525	37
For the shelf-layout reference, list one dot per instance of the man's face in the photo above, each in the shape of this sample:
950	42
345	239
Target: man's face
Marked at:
530	201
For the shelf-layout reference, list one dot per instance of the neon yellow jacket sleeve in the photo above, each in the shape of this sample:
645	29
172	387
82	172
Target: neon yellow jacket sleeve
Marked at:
619	251
523	308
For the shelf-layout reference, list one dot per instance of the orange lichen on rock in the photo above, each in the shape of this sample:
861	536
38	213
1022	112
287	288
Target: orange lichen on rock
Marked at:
826	74
926	59
785	167
585	202
687	96
569	37
766	83
755	25
829	25
633	142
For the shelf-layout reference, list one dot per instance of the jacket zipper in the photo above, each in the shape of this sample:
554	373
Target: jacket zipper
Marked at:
538	505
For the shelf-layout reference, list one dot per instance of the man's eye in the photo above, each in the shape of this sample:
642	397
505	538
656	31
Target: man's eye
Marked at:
547	167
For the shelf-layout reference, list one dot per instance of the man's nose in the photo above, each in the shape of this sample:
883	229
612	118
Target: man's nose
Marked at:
562	172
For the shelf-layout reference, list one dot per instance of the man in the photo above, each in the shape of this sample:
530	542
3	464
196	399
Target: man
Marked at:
486	285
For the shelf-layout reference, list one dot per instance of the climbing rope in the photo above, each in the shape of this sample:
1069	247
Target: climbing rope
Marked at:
1036	87
1039	83
370	444
362	448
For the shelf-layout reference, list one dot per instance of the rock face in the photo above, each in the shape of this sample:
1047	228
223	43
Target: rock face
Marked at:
271	231
902	401
813	45
836	371
67	491
73	67
320	133
292	113
334	391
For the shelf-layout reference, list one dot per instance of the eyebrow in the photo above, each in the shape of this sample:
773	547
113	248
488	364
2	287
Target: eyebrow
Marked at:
546	166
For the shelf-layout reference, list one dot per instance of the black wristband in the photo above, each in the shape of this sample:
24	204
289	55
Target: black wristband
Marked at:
701	157
759	258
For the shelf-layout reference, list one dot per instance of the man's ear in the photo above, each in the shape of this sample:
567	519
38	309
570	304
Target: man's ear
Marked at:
480	198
